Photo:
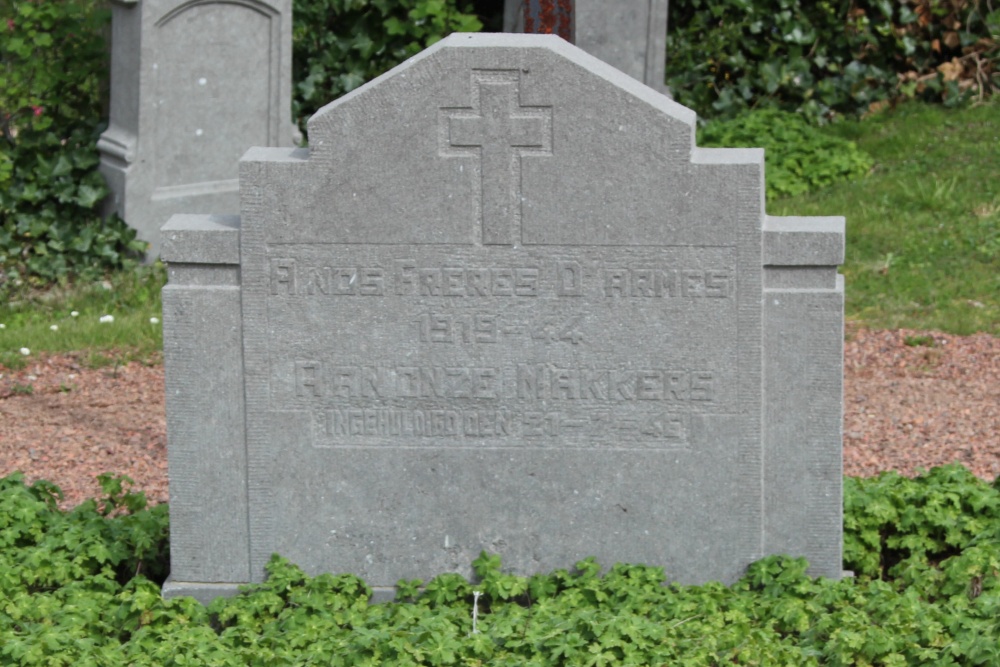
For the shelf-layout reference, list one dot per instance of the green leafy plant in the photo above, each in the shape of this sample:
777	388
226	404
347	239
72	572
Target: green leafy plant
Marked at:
340	44
114	537
828	57
53	64
800	157
926	551
893	523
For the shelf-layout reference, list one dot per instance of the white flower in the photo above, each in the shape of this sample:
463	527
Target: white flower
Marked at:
25	351
2	325
74	313
54	327
154	320
107	318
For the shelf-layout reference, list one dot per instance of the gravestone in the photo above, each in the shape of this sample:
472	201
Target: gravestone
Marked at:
502	302
194	84
630	35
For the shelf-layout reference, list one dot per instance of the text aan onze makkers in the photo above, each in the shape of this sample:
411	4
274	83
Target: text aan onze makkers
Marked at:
315	379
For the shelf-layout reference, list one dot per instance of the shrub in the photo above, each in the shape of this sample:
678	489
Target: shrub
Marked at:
800	157
53	63
828	57
340	44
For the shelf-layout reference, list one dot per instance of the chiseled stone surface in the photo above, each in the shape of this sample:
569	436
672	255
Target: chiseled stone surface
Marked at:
193	86
630	35
502	303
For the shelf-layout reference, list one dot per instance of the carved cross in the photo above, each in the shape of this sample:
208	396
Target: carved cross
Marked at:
502	132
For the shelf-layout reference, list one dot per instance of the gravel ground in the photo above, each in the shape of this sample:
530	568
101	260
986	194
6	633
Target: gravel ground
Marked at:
906	407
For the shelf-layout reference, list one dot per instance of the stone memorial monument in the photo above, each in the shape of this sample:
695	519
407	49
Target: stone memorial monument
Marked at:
504	303
194	84
630	35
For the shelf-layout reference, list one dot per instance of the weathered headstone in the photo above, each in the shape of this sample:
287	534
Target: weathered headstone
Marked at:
501	303
630	35
194	84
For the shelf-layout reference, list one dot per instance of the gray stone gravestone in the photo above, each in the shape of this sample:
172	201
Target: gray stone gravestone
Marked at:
501	303
630	35
194	84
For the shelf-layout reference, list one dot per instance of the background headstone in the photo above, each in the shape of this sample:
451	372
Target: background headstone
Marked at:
194	83
630	35
501	303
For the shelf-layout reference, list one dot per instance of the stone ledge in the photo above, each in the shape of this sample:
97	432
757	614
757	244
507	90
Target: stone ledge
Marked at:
803	241
201	239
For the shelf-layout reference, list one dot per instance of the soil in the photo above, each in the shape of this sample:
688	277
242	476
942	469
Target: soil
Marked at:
912	400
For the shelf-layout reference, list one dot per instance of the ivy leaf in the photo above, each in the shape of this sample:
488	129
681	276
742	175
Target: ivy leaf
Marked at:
62	167
88	196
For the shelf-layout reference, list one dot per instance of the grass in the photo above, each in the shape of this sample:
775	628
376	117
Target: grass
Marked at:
923	245
923	229
131	298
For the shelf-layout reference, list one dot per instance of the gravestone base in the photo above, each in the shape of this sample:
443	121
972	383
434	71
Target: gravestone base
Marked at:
202	592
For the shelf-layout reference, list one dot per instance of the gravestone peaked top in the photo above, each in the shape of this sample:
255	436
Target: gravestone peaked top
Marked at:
501	303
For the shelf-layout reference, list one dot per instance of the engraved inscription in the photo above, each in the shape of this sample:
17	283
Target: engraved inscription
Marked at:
287	277
502	131
547	382
458	328
554	329
506	347
408	277
314	378
526	382
335	425
625	282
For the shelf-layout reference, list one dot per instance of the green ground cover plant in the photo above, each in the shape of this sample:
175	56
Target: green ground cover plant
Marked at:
82	588
800	157
923	229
